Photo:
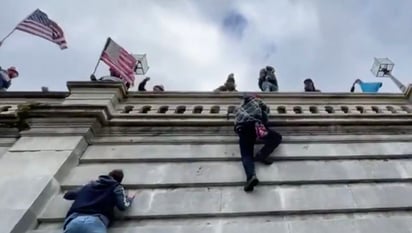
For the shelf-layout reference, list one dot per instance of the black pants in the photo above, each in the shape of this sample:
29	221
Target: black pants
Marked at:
247	140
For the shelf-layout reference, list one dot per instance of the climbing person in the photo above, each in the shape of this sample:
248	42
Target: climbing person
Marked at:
267	80
366	87
93	207
156	88
6	76
309	86
251	123
229	86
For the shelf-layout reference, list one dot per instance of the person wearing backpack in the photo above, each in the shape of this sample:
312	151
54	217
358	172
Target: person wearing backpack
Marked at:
251	120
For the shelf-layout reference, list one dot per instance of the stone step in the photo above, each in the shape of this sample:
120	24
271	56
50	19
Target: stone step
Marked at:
227	152
204	174
148	138
384	223
265	200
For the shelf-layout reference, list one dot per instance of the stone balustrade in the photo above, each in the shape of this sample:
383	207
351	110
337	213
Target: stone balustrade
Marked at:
274	109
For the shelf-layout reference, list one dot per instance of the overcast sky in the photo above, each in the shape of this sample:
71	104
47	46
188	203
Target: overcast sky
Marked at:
194	45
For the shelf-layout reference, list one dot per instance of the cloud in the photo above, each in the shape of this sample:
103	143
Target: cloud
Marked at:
234	24
193	45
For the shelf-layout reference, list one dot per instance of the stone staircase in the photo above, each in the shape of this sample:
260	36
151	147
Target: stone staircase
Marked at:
314	186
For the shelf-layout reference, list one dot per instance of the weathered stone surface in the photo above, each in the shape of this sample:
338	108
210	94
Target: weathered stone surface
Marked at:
33	163
9	217
3	150
47	143
233	201
193	152
231	173
217	139
310	224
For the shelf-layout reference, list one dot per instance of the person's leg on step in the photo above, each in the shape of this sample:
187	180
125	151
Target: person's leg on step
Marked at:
247	139
271	141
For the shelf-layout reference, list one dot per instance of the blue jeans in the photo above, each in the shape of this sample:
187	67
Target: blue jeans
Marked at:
86	224
269	87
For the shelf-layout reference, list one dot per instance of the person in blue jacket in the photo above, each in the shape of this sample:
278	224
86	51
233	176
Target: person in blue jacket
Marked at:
93	208
6	76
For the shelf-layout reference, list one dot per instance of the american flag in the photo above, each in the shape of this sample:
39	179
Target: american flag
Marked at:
39	24
120	60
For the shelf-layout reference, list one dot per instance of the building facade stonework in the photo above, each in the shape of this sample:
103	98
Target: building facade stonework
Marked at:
345	164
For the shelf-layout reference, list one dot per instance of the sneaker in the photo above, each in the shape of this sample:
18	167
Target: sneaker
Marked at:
266	161
251	183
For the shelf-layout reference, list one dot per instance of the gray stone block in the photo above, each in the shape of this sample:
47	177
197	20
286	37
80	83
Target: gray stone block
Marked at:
309	224
186	174
9	217
382	196
342	225
231	151
3	150
47	143
33	163
217	139
232	201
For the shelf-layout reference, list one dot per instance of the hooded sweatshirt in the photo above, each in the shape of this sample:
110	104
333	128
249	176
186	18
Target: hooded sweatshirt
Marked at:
97	198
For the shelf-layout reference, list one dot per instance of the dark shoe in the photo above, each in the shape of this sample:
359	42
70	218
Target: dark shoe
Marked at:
250	184
266	161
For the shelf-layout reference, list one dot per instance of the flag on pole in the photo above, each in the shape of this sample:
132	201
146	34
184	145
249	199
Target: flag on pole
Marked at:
120	60
39	24
370	87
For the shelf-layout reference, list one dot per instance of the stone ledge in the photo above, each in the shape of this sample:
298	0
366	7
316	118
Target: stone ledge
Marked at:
196	139
214	174
265	200
230	152
379	223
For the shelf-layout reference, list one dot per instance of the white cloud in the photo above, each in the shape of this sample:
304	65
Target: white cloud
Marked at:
332	42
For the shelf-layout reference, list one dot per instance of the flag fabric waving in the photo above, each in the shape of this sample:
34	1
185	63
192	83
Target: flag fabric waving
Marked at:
120	60
39	24
370	87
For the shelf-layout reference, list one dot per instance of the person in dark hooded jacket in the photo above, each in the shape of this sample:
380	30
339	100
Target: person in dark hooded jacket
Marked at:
93	208
252	112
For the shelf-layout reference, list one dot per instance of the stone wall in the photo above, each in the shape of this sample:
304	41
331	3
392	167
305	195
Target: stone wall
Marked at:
344	165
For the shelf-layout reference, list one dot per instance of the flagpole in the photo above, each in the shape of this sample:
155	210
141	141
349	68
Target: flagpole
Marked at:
92	76
8	35
14	29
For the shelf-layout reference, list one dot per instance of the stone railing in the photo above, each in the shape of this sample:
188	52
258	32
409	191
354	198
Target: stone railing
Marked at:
274	109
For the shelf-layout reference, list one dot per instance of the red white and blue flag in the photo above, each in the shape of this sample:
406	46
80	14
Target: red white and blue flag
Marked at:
39	24
120	60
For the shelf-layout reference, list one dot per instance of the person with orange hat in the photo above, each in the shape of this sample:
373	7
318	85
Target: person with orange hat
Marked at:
6	76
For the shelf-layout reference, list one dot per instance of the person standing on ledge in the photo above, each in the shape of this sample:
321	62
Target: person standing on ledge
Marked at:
250	123
93	208
6	76
267	80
